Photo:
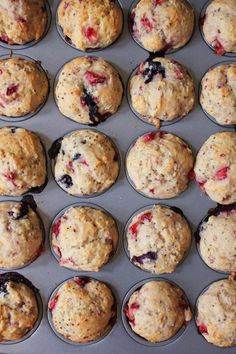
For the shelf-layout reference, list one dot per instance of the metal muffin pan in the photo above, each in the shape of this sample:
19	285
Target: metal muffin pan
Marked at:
121	200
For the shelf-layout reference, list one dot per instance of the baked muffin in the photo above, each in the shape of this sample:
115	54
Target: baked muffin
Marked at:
161	89
92	24
219	26
85	162
84	238
158	238
23	87
21	234
22	162
215	167
82	310
159	165
22	21
157	311
218	93
216	313
162	24
88	90
18	306
217	242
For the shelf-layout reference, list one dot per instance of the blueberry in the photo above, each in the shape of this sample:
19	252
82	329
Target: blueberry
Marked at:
152	256
22	212
154	68
66	180
94	114
15	278
55	148
76	157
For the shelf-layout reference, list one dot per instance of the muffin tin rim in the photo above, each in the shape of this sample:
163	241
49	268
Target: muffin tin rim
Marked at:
89	205
126	325
68	341
150	207
42	70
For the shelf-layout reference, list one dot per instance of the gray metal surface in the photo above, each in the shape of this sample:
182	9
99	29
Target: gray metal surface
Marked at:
121	200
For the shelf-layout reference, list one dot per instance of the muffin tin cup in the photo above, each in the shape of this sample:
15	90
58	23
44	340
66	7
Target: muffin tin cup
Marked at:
36	325
212	212
69	42
201	17
164	123
61	213
127	326
43	71
212	119
43	238
34	42
33	190
68	341
56	101
130	180
146	208
168	51
196	312
86	196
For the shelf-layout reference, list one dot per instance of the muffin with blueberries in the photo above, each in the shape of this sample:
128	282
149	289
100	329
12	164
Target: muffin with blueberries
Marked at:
22	162
22	21
18	306
162	24
82	310
84	238
161	90
23	87
89	90
159	165
21	236
215	167
158	238
216	238
216	312
219	26
218	93
93	24
157	311
85	162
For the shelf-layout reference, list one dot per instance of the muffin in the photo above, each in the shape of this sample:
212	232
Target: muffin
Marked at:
159	165
162	24
219	26
18	306
158	238
216	313
21	234
157	311
23	87
84	238
89	90
217	242
161	89
82	310
22	21
93	24
215	167
218	93
22	162
85	162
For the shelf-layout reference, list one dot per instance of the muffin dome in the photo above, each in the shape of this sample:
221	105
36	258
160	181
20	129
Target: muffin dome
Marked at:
92	24
162	24
23	87
161	90
22	21
88	90
215	167
22	162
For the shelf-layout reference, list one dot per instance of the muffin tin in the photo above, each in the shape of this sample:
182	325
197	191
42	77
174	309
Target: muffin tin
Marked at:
121	200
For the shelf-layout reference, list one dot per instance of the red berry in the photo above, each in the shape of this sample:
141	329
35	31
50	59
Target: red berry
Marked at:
129	311
218	47
95	78
147	24
191	175
70	166
134	228
56	227
66	4
84	163
91	34
21	20
221	174
81	281
12	89
6	39
146	216
201	185
57	250
10	176
203	328
149	137
159	2
53	302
